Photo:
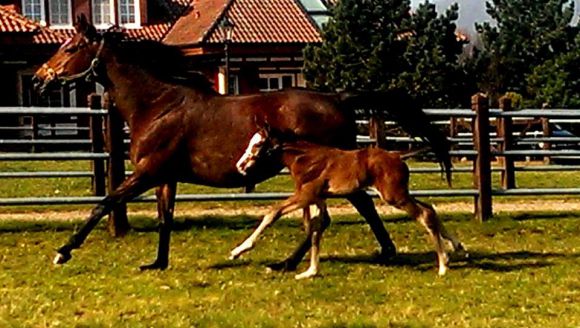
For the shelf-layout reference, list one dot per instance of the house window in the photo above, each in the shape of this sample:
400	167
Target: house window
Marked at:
60	13
103	13
272	82
129	13
33	9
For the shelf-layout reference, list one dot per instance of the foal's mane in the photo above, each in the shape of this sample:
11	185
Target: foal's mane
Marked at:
164	62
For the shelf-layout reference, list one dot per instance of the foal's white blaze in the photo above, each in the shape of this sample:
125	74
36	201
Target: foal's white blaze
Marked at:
248	158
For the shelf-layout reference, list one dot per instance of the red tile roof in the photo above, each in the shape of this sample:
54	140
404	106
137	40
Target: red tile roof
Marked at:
255	21
268	21
197	22
13	22
193	27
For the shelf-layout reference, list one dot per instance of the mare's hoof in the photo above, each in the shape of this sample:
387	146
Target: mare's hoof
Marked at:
386	255
283	266
154	266
61	258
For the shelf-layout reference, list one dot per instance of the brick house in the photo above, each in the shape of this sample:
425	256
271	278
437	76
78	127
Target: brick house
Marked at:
265	49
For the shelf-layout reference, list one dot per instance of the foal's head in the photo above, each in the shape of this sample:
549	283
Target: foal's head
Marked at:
262	144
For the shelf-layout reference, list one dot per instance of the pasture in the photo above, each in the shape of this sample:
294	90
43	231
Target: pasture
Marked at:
522	271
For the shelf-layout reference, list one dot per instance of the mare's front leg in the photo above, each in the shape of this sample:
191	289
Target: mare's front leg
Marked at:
132	187
165	205
291	204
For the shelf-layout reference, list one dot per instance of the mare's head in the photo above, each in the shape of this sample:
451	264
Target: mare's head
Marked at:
261	145
76	58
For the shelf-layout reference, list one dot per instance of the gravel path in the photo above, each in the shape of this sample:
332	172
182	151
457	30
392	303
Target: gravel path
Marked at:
530	205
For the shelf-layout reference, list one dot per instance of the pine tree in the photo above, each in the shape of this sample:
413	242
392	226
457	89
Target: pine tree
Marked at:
435	73
528	33
361	47
380	45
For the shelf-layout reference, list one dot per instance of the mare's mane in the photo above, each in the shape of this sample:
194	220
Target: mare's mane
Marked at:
164	62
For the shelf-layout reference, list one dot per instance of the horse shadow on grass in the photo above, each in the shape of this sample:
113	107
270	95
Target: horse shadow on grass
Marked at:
425	261
497	262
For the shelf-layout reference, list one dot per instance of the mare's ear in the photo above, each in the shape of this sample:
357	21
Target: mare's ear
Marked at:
83	26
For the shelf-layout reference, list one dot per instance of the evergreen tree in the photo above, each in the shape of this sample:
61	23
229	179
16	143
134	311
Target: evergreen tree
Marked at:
380	45
361	47
556	82
434	73
527	33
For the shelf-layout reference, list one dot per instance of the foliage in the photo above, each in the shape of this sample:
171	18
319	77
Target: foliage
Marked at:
386	47
556	82
517	100
527	34
432	54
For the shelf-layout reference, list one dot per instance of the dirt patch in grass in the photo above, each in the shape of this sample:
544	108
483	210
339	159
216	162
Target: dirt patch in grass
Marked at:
531	205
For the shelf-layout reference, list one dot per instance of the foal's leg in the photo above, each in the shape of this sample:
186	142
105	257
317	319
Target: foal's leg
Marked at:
291	263
455	243
425	214
129	189
291	204
365	206
314	229
165	205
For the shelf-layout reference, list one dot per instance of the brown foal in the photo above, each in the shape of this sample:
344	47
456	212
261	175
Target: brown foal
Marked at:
320	171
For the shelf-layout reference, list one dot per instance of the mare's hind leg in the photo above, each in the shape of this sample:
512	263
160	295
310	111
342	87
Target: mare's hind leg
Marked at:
165	205
130	188
289	205
425	214
366	207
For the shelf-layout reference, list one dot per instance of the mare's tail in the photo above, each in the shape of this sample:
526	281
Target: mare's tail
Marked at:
403	109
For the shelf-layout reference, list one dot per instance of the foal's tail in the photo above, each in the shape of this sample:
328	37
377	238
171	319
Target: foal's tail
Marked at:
402	108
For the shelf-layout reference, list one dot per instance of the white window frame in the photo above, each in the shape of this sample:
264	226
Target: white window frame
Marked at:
112	13
279	76
42	20
137	23
67	25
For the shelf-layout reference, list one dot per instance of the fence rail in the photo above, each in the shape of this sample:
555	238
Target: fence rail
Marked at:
106	152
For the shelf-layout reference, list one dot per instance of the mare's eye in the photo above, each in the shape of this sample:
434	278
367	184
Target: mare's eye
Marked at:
71	49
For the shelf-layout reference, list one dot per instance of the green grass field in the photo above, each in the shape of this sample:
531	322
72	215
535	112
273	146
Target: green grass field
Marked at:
522	272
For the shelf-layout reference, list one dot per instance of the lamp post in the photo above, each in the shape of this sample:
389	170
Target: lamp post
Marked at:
228	28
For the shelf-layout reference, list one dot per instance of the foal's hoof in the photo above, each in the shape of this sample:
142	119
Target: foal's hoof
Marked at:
283	266
154	266
460	253
61	258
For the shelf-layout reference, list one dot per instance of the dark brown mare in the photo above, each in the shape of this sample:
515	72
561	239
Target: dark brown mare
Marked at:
322	171
183	131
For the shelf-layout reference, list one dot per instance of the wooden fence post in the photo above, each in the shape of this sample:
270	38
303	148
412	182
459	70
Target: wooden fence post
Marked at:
482	166
546	133
97	146
505	132
118	224
377	131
